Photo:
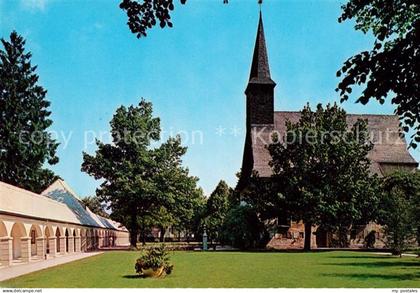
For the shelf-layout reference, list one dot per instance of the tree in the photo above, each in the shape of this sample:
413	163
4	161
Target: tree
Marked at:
139	182
188	211
242	227
321	171
144	14
399	209
25	144
95	205
177	186
263	196
127	166
391	67
217	207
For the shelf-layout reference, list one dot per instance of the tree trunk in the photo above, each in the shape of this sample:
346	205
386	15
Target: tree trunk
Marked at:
133	238
143	232
343	237
133	231
143	237
308	234
162	234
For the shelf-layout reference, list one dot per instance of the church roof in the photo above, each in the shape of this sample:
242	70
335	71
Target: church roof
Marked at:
260	69
389	147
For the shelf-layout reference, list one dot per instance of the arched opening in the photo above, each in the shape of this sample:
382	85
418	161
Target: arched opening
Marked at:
58	240
18	231
74	241
3	233
47	239
3	230
111	239
67	240
36	244
322	237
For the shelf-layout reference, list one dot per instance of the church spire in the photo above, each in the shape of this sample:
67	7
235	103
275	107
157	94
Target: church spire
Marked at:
260	69
260	90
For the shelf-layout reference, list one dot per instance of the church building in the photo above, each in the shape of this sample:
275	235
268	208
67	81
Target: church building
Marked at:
388	154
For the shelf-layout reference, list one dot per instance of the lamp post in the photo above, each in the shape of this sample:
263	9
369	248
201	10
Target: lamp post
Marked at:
205	239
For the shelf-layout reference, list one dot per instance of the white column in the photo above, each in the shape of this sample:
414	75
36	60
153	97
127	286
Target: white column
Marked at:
78	247
6	251
25	243
40	247
62	244
100	241
52	241
71	244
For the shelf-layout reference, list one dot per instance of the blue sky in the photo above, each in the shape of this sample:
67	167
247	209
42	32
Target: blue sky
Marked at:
195	73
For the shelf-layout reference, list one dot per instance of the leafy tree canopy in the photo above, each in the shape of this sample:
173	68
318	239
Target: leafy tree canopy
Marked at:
95	205
242	228
400	209
140	182
183	198
392	67
25	144
321	170
217	207
145	14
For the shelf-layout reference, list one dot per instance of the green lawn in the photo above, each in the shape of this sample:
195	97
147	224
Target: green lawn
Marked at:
235	269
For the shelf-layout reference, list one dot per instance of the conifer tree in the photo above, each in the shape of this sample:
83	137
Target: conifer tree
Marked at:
25	144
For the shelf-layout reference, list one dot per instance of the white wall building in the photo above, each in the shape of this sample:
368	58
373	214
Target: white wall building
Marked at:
53	223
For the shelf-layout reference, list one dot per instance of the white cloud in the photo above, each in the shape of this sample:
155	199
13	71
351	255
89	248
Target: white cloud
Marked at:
34	5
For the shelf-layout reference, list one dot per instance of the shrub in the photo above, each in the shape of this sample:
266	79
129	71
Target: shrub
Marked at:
370	239
154	258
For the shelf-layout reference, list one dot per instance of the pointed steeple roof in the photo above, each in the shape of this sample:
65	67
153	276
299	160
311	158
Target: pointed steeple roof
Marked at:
260	69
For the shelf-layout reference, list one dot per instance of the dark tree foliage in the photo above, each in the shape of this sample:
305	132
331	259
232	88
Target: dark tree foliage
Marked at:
95	205
263	195
127	166
392	67
183	198
25	144
143	185
321	171
145	14
242	227
399	210
217	206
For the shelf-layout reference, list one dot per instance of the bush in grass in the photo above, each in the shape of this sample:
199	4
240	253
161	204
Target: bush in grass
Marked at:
154	258
370	239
